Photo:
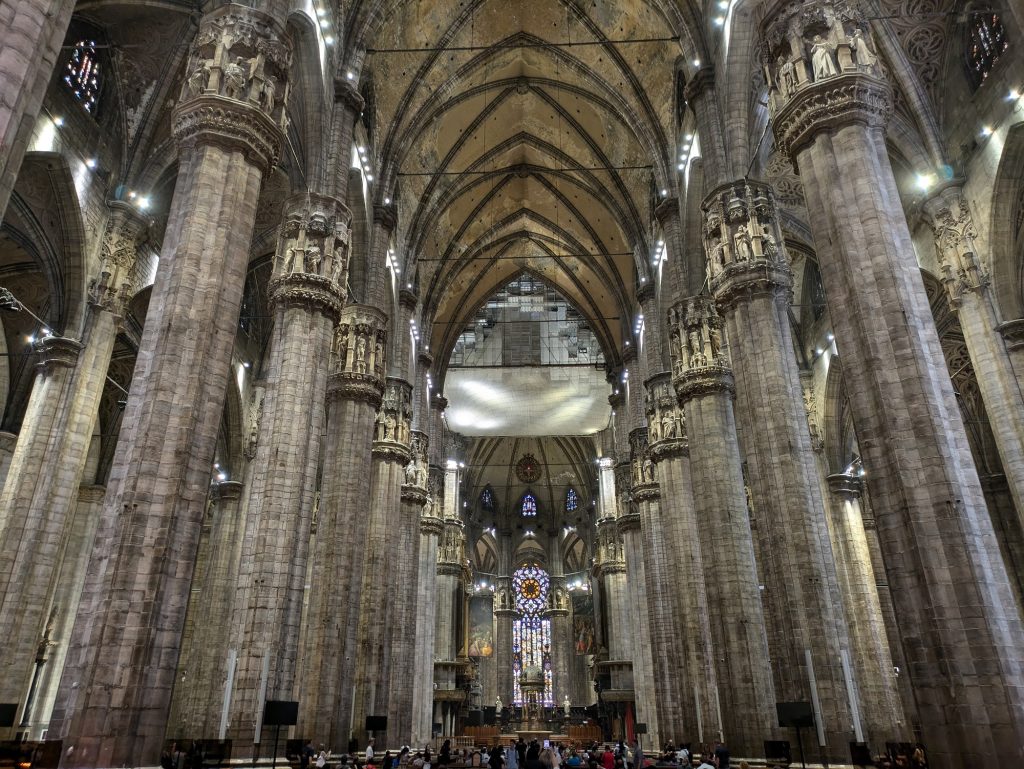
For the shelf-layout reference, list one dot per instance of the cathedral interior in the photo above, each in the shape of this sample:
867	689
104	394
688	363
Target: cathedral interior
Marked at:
593	369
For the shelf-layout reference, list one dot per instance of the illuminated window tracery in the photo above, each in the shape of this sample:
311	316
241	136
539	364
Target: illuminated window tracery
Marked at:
571	500
82	74
529	507
531	634
986	42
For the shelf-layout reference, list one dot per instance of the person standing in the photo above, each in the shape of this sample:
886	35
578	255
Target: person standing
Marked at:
369	751
722	756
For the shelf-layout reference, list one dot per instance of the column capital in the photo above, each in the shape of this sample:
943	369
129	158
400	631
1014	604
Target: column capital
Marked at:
431	524
628	522
439	402
645	293
345	91
822	71
1012	332
311	262
236	87
385	215
949	216
56	352
700	360
703	80
358	355
425	359
392	439
407	299
743	243
119	246
225	491
415	495
666	422
845	485
667	208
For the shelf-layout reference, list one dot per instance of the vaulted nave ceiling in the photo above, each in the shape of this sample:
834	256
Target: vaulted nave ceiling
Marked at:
507	150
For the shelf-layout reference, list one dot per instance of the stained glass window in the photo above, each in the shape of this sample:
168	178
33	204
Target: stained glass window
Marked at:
986	41
571	500
487	499
529	505
82	74
531	633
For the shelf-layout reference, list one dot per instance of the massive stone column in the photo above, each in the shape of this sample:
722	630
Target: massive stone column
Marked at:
432	407
638	619
969	294
39	498
879	701
307	288
199	692
659	603
34	32
355	389
451	566
53	645
391	454
561	637
960	627
504	615
128	631
404	549
752	284
704	385
696	679
431	528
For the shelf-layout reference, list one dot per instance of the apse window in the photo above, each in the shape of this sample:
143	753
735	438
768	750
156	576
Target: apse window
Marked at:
531	638
571	501
529	507
985	44
82	74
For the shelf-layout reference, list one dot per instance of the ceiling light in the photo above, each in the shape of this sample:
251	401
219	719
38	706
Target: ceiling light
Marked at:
58	121
387	201
350	76
91	162
143	203
1014	94
719	21
329	40
924	181
324	24
986	131
369	177
664	193
696	62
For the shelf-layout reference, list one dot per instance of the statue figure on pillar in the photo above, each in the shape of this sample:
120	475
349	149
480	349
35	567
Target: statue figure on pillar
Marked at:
823	63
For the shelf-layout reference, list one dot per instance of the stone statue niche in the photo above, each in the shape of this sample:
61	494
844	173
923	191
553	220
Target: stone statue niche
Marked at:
314	242
233	59
812	42
741	228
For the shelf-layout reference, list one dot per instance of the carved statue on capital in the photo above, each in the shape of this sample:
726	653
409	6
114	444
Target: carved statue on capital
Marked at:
358	350
809	41
666	423
395	416
236	88
240	54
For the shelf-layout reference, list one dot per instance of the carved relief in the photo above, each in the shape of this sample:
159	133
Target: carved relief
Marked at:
954	231
700	355
255	416
118	251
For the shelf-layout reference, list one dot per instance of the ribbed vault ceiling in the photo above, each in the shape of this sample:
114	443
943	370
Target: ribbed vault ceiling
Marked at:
508	150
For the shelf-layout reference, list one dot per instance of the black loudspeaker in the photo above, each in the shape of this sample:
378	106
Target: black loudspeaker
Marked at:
777	750
8	712
796	714
860	754
376	723
476	718
490	714
280	713
640	728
